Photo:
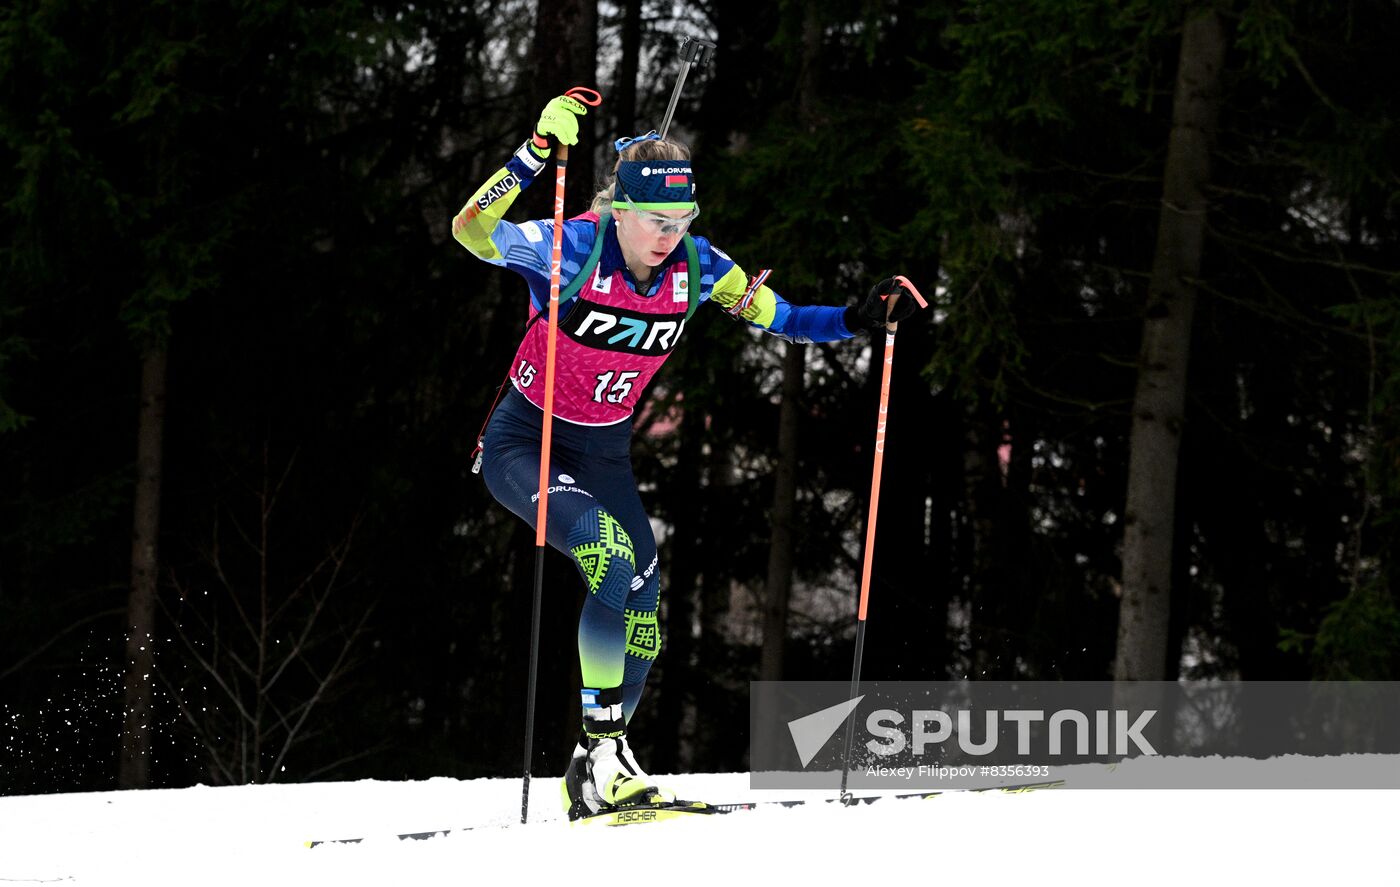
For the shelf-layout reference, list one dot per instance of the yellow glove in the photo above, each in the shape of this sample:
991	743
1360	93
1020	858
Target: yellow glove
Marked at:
560	120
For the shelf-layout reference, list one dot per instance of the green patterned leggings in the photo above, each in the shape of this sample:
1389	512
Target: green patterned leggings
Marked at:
597	518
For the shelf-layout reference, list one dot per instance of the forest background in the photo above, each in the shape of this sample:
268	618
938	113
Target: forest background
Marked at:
1149	429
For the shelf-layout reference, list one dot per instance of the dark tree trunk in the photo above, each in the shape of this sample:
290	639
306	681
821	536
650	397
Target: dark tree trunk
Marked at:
135	767
714	685
624	92
1159	404
563	55
985	586
583	71
778	588
676	663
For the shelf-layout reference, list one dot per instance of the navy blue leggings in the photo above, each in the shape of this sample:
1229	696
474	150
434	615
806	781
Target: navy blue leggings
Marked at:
595	517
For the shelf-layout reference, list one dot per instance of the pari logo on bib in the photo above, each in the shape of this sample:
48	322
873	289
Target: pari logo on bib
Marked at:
616	328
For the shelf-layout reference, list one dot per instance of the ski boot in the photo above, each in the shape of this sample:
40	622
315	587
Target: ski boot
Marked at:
576	791
603	776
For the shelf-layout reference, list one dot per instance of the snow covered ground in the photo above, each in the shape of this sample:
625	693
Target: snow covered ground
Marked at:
256	835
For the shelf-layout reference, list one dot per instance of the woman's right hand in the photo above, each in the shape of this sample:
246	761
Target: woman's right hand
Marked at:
560	120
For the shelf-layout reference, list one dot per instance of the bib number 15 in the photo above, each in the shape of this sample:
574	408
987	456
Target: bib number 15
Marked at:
618	390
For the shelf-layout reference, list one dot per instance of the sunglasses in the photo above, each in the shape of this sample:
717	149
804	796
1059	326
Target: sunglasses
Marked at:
659	224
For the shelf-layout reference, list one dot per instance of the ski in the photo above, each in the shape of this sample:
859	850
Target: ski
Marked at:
644	813
864	800
661	812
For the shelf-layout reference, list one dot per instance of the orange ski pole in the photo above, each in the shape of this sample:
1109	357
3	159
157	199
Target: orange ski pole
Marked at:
592	99
881	423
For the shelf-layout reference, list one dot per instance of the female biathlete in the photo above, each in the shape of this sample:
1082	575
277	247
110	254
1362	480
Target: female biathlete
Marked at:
630	280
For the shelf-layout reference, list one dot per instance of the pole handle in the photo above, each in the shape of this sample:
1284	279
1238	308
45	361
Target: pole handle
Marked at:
697	51
913	290
891	298
584	96
590	97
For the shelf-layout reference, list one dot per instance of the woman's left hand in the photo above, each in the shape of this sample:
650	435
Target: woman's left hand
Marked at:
871	314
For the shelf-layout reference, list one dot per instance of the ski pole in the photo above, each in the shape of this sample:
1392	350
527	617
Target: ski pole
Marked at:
881	422
694	52
582	94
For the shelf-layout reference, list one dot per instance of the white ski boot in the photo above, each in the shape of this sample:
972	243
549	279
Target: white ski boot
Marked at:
603	775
